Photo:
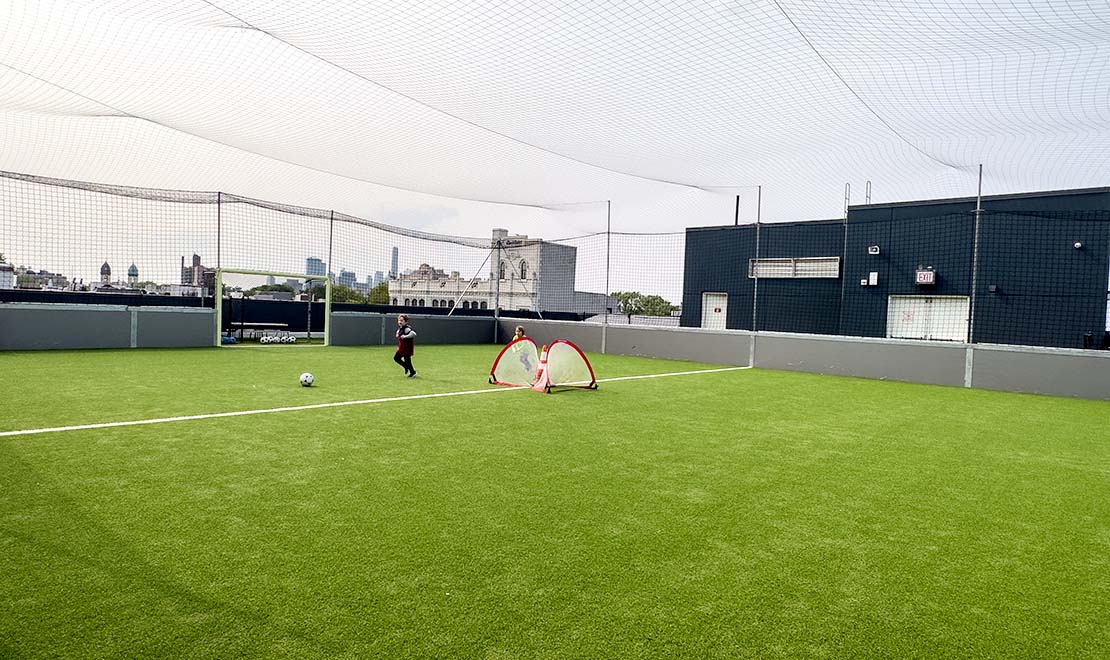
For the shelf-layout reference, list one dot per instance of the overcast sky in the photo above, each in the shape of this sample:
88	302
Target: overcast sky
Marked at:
460	117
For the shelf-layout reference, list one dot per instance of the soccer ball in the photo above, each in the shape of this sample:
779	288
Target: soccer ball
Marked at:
307	379
264	340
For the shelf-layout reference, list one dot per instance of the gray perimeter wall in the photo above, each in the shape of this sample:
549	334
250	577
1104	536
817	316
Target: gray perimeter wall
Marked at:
368	329
42	326
695	345
586	336
713	347
173	327
934	363
356	329
1058	372
1061	372
33	327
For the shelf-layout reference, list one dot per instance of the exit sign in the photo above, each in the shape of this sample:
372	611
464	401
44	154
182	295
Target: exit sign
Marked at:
926	276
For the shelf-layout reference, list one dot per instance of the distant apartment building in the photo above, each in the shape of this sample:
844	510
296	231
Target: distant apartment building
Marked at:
26	278
314	266
7	276
186	290
198	275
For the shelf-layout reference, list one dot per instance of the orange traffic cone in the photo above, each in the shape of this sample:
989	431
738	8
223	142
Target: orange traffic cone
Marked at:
542	384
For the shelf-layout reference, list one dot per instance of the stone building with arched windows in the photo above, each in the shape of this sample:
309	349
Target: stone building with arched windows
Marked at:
525	274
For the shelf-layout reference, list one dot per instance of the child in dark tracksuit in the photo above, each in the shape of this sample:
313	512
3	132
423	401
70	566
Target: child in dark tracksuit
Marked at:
406	337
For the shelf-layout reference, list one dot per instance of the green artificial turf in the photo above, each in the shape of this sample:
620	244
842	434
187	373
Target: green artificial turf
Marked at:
726	515
84	387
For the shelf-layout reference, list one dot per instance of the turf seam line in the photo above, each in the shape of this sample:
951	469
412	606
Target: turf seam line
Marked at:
333	404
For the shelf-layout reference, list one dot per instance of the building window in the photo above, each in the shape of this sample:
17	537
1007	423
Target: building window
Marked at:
435	303
794	268
443	303
450	303
523	270
394	302
501	274
421	303
406	302
483	305
466	304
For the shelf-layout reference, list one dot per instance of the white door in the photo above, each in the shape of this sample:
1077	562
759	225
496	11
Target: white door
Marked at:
941	318
714	309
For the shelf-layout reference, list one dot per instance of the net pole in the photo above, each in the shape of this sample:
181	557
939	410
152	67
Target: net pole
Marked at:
844	249
219	227
975	260
331	235
497	285
327	280
308	287
219	306
755	297
327	307
608	250
218	300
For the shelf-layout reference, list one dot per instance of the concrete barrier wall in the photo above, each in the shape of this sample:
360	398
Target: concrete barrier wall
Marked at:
934	363
173	327
586	336
30	326
1059	372
713	347
36	326
356	329
446	329
369	329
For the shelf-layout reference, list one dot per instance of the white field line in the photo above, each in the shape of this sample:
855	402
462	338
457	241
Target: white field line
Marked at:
673	373
335	404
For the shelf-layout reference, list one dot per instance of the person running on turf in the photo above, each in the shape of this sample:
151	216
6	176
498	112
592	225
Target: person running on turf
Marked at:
406	337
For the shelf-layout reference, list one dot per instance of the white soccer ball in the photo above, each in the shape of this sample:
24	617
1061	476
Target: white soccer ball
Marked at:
264	340
307	379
